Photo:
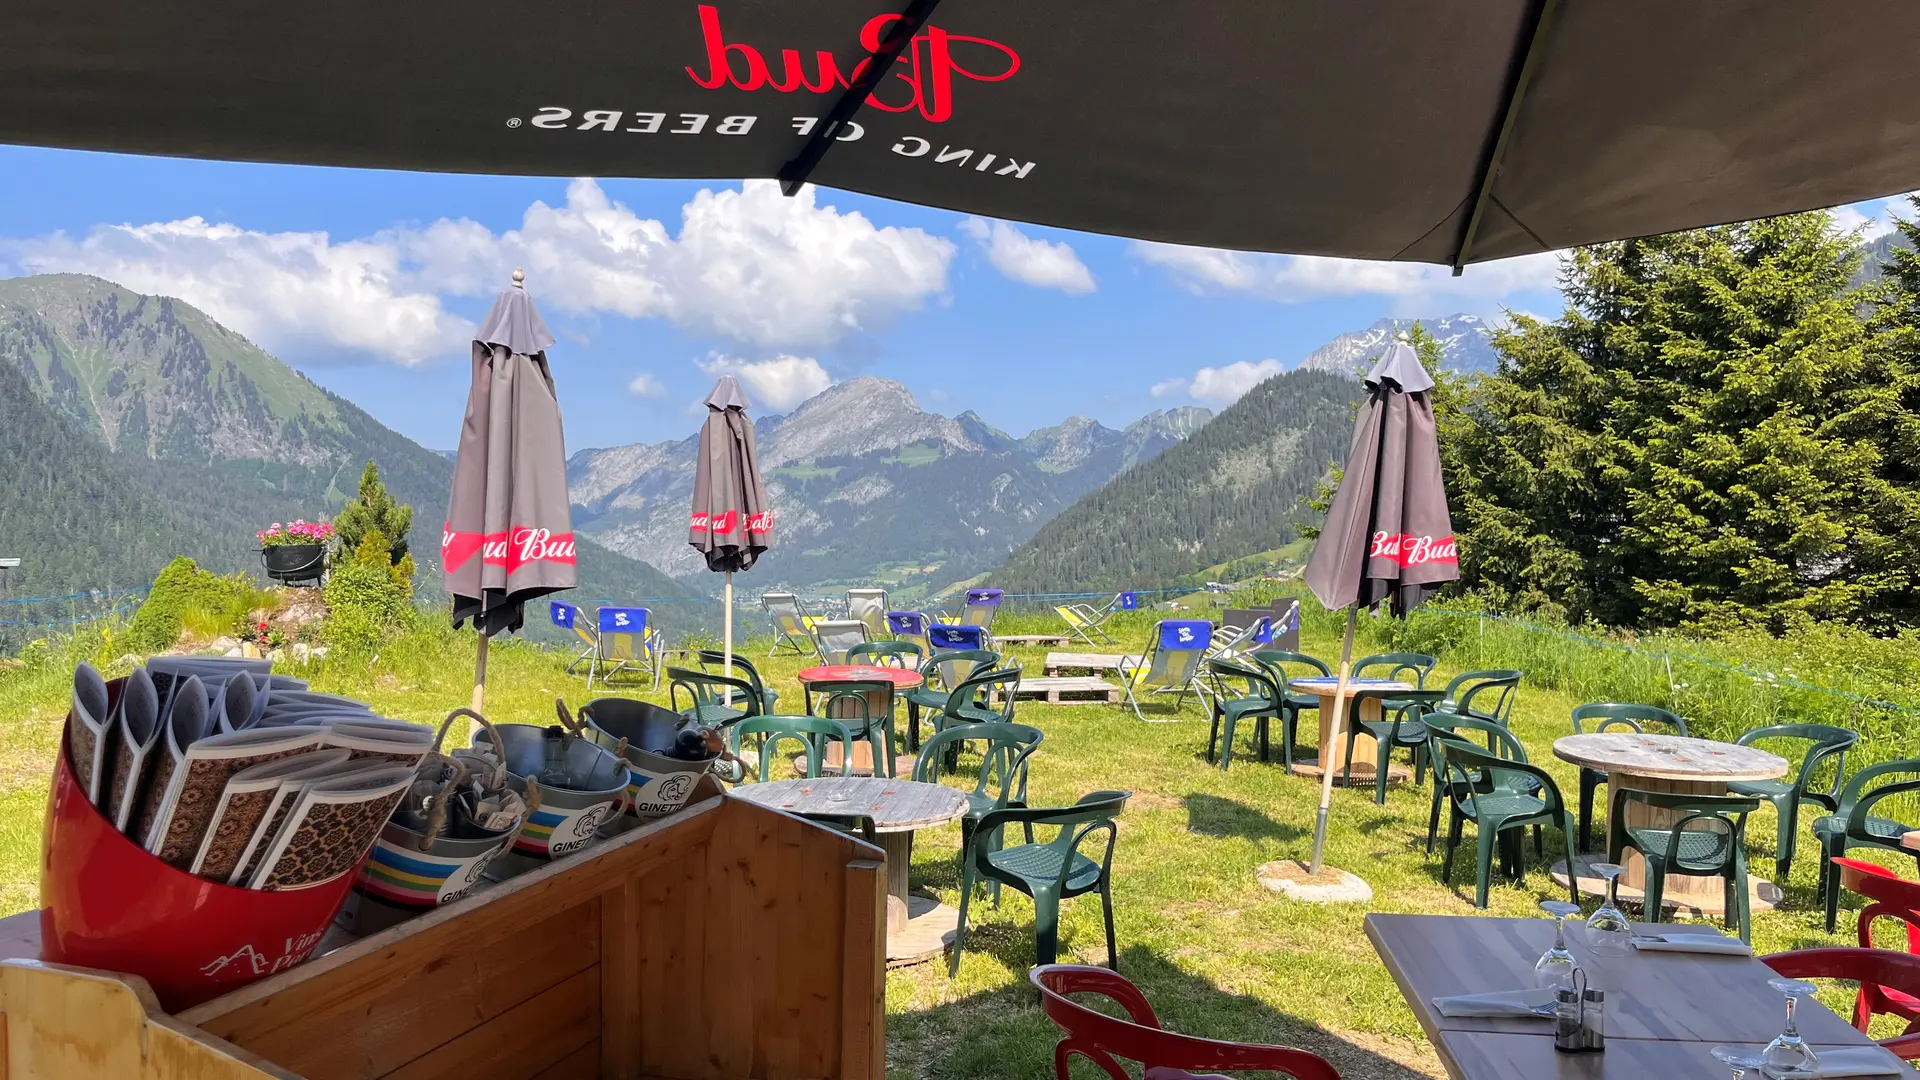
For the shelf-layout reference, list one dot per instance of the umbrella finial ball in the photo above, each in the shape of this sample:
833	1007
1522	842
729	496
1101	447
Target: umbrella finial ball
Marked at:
519	276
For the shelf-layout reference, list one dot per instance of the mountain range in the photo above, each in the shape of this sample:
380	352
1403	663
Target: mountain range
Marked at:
1466	344
870	487
137	428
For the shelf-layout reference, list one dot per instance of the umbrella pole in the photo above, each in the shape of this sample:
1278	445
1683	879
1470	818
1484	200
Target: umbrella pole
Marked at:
1333	740
726	632
479	685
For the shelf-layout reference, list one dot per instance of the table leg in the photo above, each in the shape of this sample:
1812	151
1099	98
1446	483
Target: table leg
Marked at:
899	849
919	928
1363	748
1705	894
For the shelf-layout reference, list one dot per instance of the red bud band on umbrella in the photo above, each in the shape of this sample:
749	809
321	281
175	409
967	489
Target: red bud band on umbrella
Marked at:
1388	537
731	524
509	531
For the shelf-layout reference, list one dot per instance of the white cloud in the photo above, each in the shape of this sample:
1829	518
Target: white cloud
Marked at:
645	385
1295	278
777	384
1039	263
283	290
1875	218
1218	386
749	265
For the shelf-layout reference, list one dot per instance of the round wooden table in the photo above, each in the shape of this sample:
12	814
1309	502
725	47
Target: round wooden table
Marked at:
919	928
879	702
1327	689
1669	763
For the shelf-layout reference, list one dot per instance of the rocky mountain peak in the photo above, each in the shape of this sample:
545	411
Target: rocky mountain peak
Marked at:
1466	345
858	417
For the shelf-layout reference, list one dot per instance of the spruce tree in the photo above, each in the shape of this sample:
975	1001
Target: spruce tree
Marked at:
374	511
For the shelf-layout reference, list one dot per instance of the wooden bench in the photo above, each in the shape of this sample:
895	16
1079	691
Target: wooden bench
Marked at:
1071	690
1091	662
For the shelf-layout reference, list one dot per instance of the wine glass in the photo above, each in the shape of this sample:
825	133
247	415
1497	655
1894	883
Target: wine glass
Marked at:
1788	1055
1737	1058
1608	930
1556	966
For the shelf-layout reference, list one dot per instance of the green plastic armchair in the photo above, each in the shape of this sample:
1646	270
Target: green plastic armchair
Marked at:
1002	780
942	671
1399	725
1604	716
1280	663
1487	695
707	695
848	702
1717	850
1048	871
1824	741
1489	798
812	732
742	669
1257	699
1504	744
1852	824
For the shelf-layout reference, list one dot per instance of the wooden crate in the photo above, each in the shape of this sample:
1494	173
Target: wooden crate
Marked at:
1068	690
728	942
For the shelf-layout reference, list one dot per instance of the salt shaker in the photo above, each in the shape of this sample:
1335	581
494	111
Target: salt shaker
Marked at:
1593	1014
1569	1035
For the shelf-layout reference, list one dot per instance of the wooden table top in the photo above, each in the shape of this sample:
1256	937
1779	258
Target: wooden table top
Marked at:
1666	1008
894	805
1329	685
1669	757
901	678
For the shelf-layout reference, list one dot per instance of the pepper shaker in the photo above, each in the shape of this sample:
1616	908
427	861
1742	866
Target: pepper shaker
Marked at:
1569	1035
1593	1014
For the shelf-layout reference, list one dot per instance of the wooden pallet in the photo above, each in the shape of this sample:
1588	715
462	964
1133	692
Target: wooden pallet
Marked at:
1036	641
1091	662
1071	690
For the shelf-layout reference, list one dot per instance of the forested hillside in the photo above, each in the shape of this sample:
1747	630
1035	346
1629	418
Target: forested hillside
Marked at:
1237	487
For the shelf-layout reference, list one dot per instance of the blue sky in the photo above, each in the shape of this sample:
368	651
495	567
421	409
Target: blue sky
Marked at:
368	281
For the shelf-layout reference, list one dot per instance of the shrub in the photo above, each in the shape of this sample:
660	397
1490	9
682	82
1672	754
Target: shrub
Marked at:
185	596
369	595
374	511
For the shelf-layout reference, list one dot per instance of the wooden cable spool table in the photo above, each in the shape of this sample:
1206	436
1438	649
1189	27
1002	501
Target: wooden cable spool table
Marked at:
919	928
1676	765
1364	695
879	702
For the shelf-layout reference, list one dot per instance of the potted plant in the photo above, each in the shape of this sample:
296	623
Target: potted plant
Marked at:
295	553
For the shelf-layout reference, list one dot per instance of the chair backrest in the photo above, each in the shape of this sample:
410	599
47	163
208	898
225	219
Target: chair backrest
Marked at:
1100	1038
742	667
900	654
1725	815
809	731
1823	741
568	617
1874	783
1488	694
870	607
1499	740
1893	897
951	667
1278	660
836	636
1473	762
956	636
1177	649
1259	680
1869	967
1003	765
1286	624
982	606
908	624
788	620
623	633
849	701
1126	601
1397	667
1607	715
706	688
980	687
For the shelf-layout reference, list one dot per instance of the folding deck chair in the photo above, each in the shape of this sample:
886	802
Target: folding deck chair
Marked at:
870	607
833	637
910	626
791	628
626	640
1230	642
982	606
1085	619
1172	664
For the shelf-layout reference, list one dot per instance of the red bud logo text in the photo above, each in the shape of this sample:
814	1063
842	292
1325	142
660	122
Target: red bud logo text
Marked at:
930	63
1409	550
514	548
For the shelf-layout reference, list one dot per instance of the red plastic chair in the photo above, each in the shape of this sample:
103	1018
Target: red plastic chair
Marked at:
1880	967
1166	1056
1892	897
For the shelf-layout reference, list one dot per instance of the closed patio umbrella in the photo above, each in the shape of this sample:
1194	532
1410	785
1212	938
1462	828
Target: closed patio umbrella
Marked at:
1388	537
509	531
731	523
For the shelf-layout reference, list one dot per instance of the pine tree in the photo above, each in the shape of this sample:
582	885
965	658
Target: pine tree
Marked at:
375	511
1705	437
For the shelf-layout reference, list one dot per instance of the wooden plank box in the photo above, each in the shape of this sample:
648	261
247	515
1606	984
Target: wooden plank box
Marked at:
727	942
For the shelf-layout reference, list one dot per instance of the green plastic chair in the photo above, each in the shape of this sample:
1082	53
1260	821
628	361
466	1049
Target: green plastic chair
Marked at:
1503	743
1469	693
1399	724
1604	716
1278	663
1488	798
900	654
1823	741
1679	849
742	669
857	713
811	731
1002	780
1851	825
942	671
707	696
1259	701
1049	871
972	703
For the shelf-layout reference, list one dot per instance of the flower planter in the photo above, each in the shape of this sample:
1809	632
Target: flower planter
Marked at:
293	563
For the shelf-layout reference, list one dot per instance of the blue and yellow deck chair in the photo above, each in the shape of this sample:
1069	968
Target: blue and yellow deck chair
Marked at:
982	606
870	607
1085	620
1171	665
624	639
792	629
910	626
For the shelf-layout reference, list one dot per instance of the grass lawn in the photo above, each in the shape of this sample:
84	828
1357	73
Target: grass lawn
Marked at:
1216	953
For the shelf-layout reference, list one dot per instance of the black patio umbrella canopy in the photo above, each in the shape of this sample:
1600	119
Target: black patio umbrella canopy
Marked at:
1273	125
731	522
1388	538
